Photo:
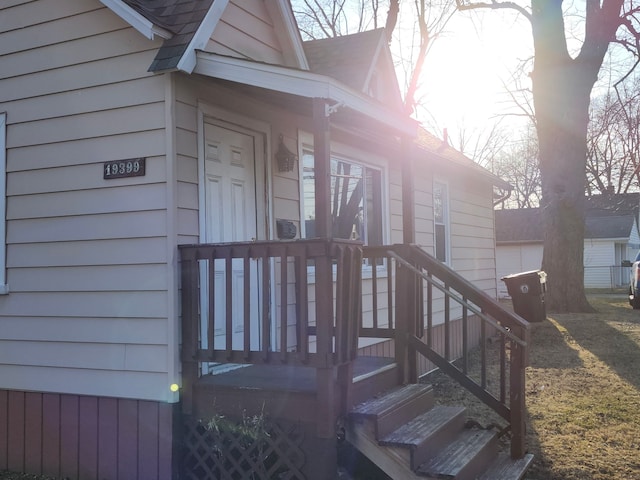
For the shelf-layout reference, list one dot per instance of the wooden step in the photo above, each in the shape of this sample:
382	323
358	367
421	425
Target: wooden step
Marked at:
505	468
470	453
426	434
394	408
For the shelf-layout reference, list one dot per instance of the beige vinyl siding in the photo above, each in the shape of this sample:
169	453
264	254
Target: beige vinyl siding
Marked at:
245	32
87	258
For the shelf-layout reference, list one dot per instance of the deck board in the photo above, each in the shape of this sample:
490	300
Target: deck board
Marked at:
284	377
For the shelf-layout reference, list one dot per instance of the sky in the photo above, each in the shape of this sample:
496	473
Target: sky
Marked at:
465	72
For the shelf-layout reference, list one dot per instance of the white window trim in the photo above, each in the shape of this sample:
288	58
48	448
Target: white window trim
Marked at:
447	221
4	287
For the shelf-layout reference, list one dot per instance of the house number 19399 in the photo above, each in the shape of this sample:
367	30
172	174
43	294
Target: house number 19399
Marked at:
133	167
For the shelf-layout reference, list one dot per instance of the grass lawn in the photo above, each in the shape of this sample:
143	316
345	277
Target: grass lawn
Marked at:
583	394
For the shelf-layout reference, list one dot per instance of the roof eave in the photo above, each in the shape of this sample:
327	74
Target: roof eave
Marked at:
188	61
136	20
301	83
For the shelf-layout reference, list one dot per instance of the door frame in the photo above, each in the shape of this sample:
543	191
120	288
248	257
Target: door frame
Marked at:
264	230
263	178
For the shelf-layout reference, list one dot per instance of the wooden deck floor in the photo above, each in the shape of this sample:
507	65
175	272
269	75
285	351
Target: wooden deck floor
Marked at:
283	377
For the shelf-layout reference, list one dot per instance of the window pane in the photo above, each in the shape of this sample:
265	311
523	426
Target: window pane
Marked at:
309	194
356	200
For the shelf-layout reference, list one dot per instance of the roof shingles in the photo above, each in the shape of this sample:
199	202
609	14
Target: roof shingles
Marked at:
180	17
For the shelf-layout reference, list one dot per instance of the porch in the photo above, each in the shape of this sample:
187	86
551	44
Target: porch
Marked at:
299	365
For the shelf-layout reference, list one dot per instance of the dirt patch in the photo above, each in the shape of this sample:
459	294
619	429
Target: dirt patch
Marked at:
583	394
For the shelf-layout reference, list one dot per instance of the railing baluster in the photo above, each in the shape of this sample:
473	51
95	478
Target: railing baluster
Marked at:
430	311
266	303
447	325
503	368
483	355
211	314
465	337
246	305
284	307
228	270
391	274
374	289
302	306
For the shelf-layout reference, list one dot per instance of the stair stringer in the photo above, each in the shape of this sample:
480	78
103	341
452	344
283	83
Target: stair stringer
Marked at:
393	461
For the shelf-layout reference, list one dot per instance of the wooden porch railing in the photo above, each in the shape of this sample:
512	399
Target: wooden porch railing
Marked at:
411	282
270	302
301	303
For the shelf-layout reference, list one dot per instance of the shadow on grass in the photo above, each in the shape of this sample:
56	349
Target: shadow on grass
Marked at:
610	344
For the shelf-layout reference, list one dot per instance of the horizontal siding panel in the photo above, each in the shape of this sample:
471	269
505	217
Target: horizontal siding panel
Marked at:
89	279
244	45
187	195
86	304
103	97
186	116
152	331
188	222
472	242
31	13
187	169
73	52
56	31
97	252
100	149
186	143
68	178
108	383
89	125
84	202
76	77
88	227
96	356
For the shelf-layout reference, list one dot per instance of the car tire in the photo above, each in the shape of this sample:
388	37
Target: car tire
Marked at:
635	301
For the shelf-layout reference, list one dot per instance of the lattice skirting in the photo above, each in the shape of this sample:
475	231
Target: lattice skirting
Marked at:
243	449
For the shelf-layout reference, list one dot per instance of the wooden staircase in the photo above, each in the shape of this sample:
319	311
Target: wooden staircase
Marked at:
409	437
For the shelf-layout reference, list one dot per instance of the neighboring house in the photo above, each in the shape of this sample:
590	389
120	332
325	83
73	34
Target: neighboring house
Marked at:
611	237
169	164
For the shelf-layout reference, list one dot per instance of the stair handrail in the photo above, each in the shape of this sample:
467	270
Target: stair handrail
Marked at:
506	332
411	263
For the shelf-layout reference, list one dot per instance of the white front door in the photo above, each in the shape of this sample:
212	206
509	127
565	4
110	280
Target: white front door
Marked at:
230	215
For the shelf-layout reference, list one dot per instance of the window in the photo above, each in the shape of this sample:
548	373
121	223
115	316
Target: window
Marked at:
441	221
356	199
3	204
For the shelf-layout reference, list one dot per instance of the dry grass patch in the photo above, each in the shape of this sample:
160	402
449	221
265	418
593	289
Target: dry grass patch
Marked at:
583	394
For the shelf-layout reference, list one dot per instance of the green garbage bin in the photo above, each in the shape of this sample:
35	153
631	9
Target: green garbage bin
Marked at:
527	291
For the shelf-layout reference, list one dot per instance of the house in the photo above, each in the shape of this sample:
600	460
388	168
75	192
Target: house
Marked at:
611	237
205	220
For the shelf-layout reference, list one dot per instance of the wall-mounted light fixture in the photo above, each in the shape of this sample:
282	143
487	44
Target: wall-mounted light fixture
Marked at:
285	157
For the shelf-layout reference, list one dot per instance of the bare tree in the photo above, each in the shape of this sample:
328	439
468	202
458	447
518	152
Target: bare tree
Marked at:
562	83
413	31
517	163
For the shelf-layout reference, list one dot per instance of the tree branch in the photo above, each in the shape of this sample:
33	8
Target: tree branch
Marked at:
493	5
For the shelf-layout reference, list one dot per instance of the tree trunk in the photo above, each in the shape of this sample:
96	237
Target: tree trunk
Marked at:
561	89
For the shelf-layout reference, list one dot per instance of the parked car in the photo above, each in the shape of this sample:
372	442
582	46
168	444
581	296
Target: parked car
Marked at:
634	284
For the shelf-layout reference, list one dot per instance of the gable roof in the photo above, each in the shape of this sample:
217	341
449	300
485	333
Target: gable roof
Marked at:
347	58
440	150
352	59
606	216
187	26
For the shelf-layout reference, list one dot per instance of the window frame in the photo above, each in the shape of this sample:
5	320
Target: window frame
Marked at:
4	287
446	221
345	153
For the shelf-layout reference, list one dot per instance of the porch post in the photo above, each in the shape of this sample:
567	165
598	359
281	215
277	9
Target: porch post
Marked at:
408	192
411	284
324	289
322	168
